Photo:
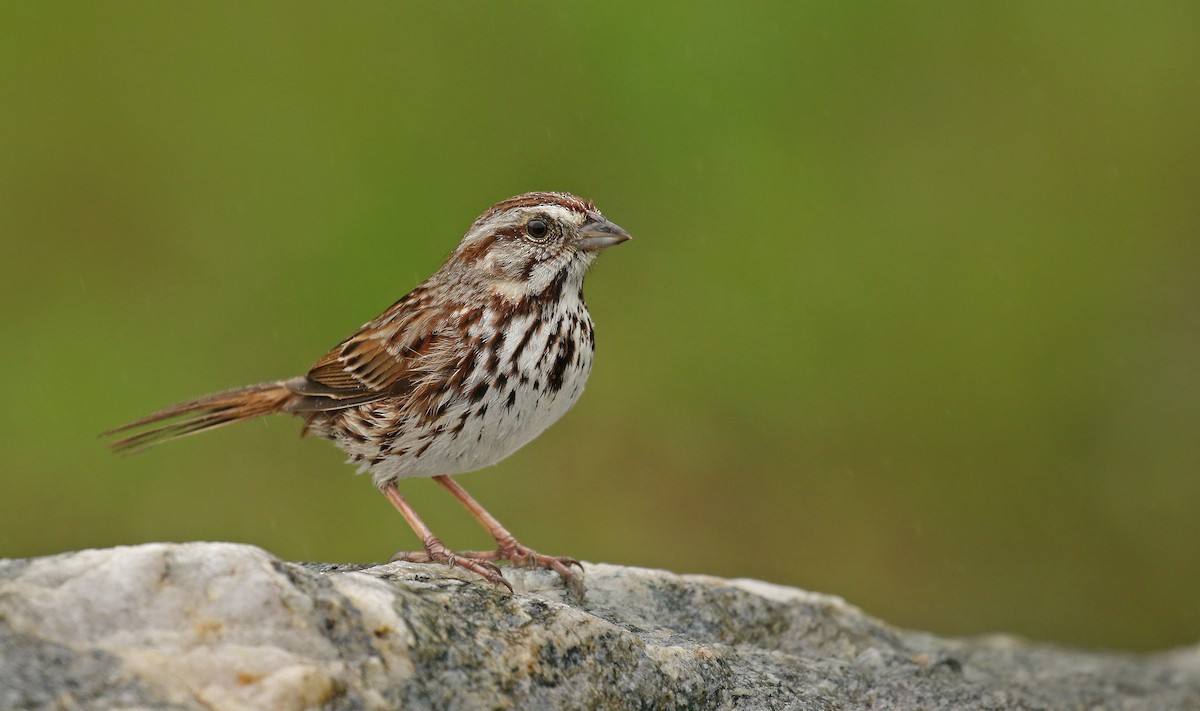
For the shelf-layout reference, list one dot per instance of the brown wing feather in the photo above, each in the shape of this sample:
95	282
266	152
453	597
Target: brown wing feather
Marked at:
388	357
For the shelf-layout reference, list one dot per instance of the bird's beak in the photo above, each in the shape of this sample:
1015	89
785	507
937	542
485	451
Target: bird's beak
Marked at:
600	234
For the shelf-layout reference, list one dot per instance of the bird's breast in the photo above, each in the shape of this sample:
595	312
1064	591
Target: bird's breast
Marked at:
526	371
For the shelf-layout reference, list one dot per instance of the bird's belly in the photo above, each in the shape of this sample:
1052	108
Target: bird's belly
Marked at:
485	441
482	440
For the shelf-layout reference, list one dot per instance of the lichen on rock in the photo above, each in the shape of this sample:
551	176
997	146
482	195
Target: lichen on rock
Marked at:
225	626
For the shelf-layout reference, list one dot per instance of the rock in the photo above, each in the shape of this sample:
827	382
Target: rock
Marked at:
224	626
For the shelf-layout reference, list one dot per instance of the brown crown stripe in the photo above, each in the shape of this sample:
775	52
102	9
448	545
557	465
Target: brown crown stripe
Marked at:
567	200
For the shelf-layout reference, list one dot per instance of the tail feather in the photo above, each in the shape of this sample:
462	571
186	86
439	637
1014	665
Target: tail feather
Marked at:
203	414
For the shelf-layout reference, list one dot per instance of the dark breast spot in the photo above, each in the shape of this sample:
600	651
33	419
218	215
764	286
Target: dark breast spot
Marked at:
559	370
479	391
533	326
462	422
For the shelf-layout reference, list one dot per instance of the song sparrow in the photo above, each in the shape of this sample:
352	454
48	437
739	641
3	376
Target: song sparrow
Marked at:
457	375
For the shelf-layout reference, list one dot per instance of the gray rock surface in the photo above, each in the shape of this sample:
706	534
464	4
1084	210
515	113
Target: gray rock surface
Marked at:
224	626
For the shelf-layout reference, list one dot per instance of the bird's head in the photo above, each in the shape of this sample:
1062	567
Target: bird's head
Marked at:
531	243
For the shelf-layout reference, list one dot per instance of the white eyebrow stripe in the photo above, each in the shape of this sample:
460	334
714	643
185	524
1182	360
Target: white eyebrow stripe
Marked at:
555	212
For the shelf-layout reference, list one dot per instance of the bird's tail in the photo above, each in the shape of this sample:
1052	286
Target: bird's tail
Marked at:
203	414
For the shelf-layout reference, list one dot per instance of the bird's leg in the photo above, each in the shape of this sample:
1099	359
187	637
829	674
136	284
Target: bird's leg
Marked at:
508	548
435	551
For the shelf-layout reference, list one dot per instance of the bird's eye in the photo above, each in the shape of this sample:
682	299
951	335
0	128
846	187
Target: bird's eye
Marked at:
536	229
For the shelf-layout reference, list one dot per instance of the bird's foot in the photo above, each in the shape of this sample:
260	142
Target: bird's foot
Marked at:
436	552
523	557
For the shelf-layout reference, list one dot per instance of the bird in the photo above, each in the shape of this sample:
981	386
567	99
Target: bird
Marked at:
465	369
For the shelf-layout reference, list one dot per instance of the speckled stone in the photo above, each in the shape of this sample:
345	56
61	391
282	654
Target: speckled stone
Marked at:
224	626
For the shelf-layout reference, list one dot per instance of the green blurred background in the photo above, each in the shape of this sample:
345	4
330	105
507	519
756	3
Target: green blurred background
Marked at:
912	316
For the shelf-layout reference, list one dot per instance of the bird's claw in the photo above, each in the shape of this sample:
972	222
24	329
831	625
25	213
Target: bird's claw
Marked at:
522	557
483	563
435	552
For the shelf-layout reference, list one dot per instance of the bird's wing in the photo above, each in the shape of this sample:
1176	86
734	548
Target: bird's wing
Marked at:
389	356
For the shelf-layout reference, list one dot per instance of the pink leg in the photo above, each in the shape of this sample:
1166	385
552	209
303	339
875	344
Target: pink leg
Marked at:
508	547
435	552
